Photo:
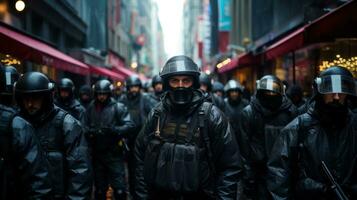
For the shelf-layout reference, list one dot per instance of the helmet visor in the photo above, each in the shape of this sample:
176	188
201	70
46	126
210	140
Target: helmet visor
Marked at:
270	85
336	84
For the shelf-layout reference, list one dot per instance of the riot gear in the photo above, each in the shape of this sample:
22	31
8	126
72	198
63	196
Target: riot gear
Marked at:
218	87
233	85
270	91
68	103
8	77
107	126
156	80
180	65
34	84
85	95
133	81
206	81
103	87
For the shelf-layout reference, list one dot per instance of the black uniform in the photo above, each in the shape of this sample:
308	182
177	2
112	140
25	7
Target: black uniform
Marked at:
186	149
327	132
69	104
23	168
108	123
85	90
61	137
139	106
234	107
258	129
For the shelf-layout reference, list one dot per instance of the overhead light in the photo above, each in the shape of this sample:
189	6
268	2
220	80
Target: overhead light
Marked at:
134	65
20	5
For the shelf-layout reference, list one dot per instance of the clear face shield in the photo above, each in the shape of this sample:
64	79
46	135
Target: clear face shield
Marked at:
271	85
336	84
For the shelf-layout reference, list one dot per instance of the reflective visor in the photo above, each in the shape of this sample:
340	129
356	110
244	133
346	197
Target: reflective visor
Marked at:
270	85
336	84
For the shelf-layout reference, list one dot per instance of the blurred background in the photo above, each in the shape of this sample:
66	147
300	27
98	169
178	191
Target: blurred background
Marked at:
241	39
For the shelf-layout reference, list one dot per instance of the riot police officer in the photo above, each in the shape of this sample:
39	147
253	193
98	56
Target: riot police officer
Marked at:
139	105
85	95
218	88
327	132
108	123
234	103
10	76
60	135
206	87
261	122
186	149
66	101
158	90
23	169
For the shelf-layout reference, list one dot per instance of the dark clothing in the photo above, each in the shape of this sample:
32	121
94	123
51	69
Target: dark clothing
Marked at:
61	137
155	99
295	163
107	125
233	111
215	99
258	129
138	107
23	168
74	108
218	182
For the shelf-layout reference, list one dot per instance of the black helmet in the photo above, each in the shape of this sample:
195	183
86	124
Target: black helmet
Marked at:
271	83
155	80
66	84
103	86
217	86
8	77
85	89
233	85
335	79
180	65
206	80
33	82
133	80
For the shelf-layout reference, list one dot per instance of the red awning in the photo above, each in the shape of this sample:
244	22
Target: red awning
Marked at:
339	23
106	72
28	48
240	60
124	71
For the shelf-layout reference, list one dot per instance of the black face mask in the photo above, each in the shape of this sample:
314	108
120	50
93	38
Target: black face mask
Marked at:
181	96
333	114
133	95
271	102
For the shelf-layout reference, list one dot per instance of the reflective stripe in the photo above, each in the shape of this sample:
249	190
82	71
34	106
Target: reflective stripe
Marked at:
270	84
8	78
336	83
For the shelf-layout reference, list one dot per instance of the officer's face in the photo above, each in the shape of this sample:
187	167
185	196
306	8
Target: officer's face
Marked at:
32	103
219	93
203	87
134	89
158	87
102	97
84	97
181	81
64	93
234	95
329	98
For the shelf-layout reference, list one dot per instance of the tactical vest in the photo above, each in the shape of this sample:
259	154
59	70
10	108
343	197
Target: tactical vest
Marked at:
51	137
173	156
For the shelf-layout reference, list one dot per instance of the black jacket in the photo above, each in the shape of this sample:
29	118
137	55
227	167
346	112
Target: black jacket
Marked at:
233	112
295	163
215	99
25	168
258	129
74	108
62	138
225	152
106	124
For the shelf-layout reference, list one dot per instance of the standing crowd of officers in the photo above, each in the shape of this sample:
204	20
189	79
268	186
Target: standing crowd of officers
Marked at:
186	139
